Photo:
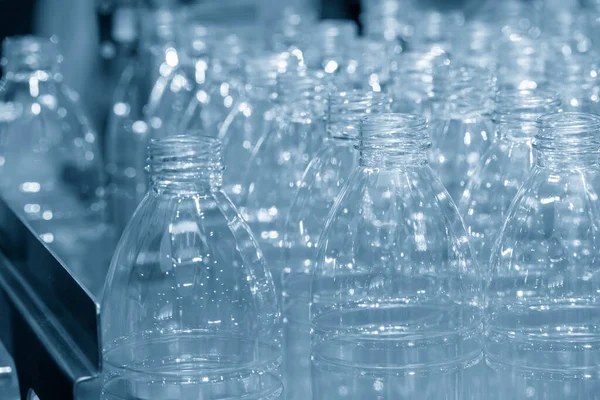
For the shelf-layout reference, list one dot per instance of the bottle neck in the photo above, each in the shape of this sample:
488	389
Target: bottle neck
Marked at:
392	141
301	95
345	111
568	140
261	74
185	165
29	57
517	111
463	91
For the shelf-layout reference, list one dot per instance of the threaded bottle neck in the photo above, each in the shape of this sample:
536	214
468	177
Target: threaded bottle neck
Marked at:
568	140
185	165
301	88
391	141
464	90
25	55
517	111
346	110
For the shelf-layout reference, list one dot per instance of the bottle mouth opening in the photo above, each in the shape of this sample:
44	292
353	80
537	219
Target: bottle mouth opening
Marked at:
526	106
184	152
568	131
403	130
348	109
569	122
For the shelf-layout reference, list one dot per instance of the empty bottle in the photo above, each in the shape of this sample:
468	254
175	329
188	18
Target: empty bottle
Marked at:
280	158
505	165
127	129
189	308
412	87
323	179
396	309
250	116
51	170
182	78
543	289
461	126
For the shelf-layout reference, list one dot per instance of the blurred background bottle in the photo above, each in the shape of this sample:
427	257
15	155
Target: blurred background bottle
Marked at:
324	178
504	166
51	166
461	126
293	135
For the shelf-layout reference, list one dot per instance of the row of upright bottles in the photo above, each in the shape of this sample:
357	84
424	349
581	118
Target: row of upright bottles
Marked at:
309	213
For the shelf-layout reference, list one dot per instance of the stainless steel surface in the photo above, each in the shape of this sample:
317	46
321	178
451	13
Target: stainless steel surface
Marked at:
54	313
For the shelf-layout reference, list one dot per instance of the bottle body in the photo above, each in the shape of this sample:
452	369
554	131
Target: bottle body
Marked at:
323	179
458	145
189	307
490	191
461	124
128	131
505	166
51	170
395	309
421	353
282	154
542	288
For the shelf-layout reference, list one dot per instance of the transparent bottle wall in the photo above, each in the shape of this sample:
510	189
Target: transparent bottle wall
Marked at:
342	200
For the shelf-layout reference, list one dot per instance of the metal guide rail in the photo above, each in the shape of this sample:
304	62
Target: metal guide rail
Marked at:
53	333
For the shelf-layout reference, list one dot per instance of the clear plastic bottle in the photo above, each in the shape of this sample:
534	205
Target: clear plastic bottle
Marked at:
396	307
412	88
461	126
323	179
279	159
542	295
505	165
252	114
189	308
51	170
575	77
127	130
181	78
